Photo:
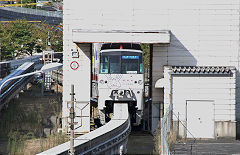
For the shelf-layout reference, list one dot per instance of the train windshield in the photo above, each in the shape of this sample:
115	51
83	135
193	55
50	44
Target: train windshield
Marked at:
121	62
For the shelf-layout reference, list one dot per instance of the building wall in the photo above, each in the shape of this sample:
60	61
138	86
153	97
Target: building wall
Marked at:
79	77
203	32
220	90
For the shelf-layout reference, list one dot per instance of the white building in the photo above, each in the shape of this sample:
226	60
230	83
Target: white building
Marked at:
204	34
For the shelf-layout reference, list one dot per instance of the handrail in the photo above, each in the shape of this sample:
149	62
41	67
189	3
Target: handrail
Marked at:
165	127
194	141
126	131
34	11
101	139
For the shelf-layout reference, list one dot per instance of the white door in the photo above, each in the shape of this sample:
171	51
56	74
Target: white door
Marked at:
200	120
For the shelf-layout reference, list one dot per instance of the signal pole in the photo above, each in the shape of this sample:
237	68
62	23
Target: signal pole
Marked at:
72	116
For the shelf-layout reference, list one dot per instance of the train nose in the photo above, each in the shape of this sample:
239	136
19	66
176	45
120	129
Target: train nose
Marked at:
121	94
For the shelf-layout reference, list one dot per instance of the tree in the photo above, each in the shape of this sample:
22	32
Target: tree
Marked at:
55	35
41	33
2	51
146	55
5	41
57	39
27	2
20	38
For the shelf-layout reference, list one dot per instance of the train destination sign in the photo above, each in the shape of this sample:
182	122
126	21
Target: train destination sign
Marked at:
130	57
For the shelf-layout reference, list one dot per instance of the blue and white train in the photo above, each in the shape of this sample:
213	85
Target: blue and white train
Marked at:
121	80
10	87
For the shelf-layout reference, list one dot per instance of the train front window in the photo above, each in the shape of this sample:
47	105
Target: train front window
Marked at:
104	64
130	64
121	62
114	64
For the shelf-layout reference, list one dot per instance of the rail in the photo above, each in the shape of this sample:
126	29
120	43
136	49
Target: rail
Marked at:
14	64
13	90
9	89
165	130
34	11
102	139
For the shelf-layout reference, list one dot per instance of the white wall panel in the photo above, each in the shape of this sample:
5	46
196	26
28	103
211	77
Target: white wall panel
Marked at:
204	32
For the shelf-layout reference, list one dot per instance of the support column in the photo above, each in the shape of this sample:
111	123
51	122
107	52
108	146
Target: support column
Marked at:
76	71
159	60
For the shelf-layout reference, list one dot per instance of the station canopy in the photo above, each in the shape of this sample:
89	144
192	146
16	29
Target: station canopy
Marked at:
121	36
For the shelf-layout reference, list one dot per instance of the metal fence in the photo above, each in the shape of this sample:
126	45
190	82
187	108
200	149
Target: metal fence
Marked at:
165	130
34	11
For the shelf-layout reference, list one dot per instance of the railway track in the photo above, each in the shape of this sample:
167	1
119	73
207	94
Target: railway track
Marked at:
108	139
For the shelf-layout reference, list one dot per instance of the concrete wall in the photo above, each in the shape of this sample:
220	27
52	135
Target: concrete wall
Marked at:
224	129
204	33
80	77
157	93
220	90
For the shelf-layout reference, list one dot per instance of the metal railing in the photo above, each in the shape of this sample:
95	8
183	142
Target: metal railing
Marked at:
57	76
56	14
187	144
165	130
102	139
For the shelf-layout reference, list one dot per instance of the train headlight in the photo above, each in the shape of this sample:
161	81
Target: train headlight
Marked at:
101	81
127	93
121	93
140	82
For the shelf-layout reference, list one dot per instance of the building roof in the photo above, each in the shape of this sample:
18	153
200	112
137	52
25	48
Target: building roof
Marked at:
202	69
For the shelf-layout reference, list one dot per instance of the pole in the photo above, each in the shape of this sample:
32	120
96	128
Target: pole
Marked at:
72	115
43	84
57	82
0	52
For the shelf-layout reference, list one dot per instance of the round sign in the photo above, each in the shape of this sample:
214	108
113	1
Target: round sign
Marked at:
74	65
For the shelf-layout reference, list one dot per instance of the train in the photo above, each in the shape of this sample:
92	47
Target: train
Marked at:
10	86
121	80
14	64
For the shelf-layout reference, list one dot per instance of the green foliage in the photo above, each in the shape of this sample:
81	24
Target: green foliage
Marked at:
27	2
146	55
57	39
20	37
157	141
14	118
16	142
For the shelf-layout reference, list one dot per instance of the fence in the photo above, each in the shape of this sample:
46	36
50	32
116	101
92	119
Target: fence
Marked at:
165	130
34	12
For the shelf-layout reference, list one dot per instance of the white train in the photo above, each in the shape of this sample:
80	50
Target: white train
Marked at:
121	79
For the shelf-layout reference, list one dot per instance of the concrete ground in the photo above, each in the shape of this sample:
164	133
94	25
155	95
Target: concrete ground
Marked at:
207	147
140	142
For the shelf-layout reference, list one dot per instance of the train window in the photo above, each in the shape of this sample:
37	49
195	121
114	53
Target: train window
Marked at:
114	64
122	62
104	64
141	68
130	64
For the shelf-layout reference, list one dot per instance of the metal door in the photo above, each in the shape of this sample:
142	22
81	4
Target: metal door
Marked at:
200	120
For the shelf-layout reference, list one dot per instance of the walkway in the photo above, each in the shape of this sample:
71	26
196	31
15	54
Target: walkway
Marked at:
208	147
140	142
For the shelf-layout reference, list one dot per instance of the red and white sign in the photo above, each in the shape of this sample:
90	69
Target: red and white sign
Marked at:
74	65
